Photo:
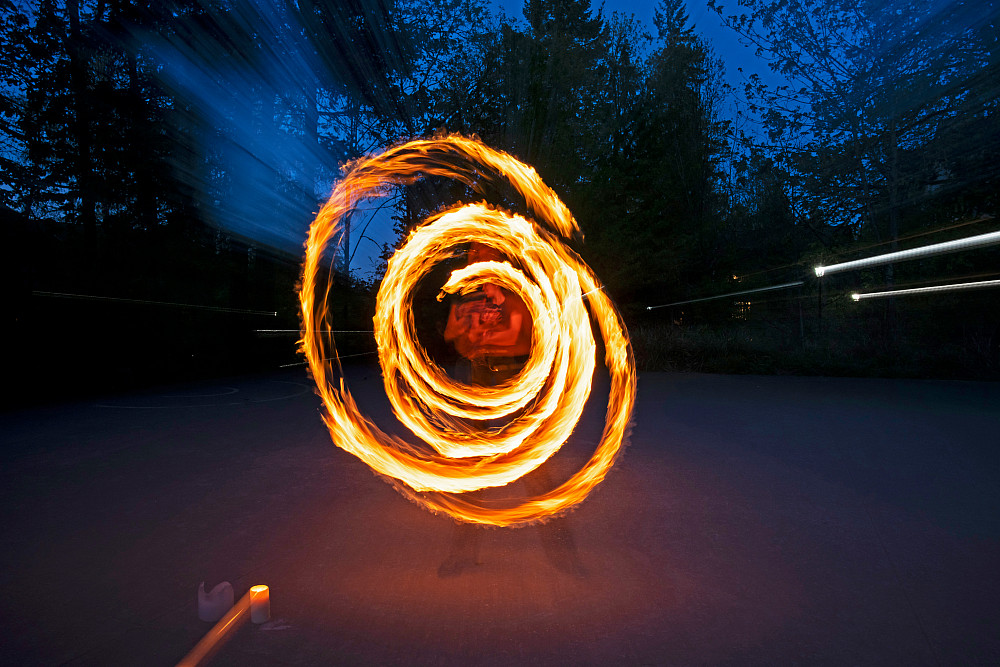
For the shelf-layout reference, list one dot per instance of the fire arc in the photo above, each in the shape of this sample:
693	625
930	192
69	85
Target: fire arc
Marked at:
543	402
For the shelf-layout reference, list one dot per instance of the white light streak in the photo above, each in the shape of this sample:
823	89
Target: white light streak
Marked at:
968	243
346	356
336	331
927	290
723	296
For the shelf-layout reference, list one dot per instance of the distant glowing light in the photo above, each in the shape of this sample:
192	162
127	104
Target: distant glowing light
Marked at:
543	403
969	243
982	284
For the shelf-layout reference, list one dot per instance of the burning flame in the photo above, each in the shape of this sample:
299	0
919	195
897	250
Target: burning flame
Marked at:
548	394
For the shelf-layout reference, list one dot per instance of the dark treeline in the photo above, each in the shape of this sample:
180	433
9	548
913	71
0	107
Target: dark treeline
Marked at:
175	152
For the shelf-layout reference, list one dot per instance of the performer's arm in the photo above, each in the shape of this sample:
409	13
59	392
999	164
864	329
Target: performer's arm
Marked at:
458	323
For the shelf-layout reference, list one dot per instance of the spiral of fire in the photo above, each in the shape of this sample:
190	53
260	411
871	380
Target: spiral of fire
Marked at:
543	402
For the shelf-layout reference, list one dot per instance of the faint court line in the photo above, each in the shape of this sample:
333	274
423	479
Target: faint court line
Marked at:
229	391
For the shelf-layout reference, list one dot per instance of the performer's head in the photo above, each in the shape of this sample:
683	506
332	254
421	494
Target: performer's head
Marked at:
480	252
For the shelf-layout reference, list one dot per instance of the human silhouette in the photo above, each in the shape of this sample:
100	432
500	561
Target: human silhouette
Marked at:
491	330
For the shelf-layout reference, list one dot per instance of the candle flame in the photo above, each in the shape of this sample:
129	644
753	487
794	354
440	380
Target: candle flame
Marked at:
546	397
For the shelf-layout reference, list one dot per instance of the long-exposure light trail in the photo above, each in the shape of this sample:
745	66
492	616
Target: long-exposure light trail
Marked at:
982	284
725	296
276	333
461	450
254	606
339	356
968	243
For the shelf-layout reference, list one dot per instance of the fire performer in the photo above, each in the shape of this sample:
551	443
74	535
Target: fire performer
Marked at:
491	330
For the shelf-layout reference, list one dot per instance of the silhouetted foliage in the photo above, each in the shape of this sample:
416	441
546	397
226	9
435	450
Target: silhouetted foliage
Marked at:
175	152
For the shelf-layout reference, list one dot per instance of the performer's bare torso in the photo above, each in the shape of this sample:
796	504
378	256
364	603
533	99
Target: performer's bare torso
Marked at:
492	327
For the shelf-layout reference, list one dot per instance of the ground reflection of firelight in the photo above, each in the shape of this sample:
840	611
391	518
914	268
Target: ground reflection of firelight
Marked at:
548	395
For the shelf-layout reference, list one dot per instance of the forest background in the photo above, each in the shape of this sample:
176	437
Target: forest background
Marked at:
160	164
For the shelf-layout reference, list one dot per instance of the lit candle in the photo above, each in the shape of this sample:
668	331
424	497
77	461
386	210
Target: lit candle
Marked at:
260	604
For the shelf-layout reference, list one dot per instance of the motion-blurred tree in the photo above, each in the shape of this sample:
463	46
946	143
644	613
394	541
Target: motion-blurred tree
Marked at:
14	63
762	233
629	137
88	119
386	68
874	89
563	48
533	91
38	97
667	222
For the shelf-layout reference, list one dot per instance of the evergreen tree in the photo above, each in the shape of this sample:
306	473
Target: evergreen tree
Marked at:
564	46
665	233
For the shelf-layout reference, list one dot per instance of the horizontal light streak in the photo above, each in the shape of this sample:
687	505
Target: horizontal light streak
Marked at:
91	297
346	356
324	331
927	290
967	243
724	296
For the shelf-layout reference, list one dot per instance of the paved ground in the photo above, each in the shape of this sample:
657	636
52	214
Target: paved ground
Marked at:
753	520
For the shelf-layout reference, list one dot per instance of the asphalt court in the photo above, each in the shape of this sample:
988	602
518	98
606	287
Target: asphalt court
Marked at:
751	520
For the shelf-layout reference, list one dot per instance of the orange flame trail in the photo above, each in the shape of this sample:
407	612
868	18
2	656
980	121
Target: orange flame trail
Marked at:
550	391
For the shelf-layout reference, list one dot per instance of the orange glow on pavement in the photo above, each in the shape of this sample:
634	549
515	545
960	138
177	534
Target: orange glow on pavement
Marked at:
548	396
